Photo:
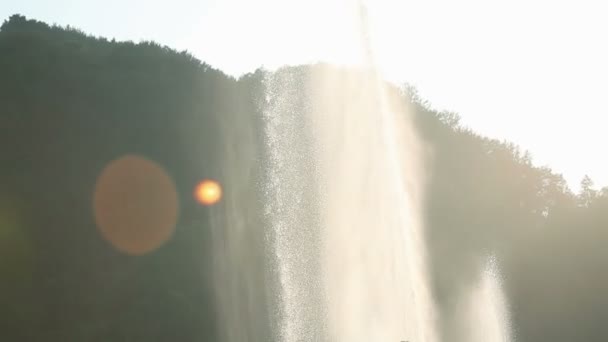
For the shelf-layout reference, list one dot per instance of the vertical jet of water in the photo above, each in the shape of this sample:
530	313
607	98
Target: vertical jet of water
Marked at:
363	238
289	192
488	314
375	255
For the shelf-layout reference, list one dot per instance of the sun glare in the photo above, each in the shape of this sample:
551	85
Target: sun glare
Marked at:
208	192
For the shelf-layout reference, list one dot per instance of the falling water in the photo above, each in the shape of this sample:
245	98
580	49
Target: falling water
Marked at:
488	313
343	189
343	193
290	206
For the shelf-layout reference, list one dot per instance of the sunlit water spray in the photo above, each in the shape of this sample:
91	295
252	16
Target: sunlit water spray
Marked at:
344	187
488	312
342	256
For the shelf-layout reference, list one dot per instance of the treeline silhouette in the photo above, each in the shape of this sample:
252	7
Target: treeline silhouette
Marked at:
71	103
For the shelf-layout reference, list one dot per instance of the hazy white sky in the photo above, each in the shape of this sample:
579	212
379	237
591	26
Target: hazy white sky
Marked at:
534	72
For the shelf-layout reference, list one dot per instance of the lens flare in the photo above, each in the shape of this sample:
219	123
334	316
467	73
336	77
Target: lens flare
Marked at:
135	205
208	192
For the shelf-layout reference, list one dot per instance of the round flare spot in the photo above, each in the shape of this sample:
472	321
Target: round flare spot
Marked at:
135	204
208	192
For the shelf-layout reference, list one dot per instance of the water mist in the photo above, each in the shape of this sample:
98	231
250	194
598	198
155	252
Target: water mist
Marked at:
342	253
487	308
356	271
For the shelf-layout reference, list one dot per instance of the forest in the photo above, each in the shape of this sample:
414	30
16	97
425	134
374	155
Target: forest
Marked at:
70	103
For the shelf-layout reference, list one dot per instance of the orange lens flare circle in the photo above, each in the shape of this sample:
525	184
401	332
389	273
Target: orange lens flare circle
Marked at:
135	205
208	192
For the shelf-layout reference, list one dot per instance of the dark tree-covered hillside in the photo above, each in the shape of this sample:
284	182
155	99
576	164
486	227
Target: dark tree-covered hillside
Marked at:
70	104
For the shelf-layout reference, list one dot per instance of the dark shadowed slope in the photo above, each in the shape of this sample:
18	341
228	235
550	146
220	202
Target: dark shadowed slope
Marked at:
72	103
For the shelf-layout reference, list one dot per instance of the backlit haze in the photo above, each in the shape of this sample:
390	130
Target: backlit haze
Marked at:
532	72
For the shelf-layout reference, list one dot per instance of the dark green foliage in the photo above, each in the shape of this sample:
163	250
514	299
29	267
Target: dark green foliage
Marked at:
70	103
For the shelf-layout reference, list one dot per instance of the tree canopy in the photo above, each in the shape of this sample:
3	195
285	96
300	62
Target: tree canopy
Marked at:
70	103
